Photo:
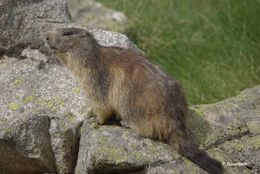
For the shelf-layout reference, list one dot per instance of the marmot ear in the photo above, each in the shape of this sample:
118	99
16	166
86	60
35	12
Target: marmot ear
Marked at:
85	34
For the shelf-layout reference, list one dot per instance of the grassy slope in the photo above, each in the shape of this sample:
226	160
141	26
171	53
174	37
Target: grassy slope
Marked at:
212	46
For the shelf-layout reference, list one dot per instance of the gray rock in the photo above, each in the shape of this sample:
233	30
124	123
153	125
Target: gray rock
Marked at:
213	124
232	127
25	145
112	149
176	167
26	17
65	136
23	87
247	107
94	14
239	155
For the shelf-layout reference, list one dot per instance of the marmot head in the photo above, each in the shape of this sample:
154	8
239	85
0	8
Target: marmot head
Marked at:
71	44
65	39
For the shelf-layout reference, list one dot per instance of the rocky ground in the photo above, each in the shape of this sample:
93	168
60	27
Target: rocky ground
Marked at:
46	125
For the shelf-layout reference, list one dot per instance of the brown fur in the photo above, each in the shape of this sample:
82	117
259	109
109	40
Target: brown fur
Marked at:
122	82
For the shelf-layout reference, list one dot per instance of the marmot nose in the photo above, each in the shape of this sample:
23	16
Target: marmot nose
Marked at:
47	36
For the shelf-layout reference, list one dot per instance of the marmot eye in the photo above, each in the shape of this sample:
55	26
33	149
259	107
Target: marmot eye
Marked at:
67	33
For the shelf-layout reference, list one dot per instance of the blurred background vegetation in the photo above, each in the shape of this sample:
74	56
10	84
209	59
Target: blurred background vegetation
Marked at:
211	46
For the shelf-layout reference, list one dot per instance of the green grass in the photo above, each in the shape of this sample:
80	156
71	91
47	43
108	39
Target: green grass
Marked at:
211	46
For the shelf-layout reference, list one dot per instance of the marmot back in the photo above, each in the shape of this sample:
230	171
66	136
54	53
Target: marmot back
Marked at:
122	82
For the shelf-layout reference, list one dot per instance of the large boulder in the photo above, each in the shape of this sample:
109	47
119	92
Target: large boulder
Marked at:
30	85
26	17
25	144
235	117
113	149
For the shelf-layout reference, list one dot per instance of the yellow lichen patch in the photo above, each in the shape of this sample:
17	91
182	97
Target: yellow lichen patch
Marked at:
59	102
53	104
14	106
50	104
70	116
28	99
76	90
18	82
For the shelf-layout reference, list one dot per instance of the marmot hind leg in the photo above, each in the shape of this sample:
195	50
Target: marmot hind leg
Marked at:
105	114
